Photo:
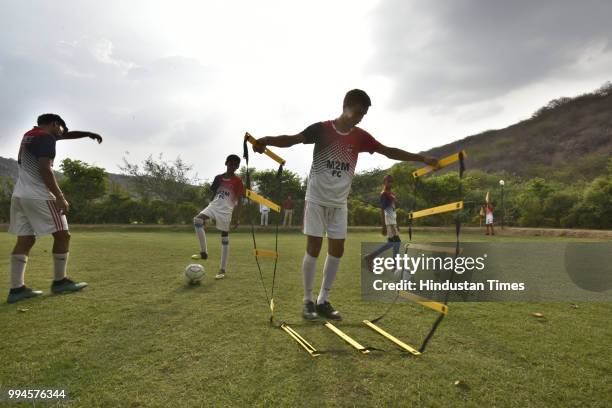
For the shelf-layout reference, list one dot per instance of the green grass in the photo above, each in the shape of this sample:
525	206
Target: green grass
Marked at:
138	336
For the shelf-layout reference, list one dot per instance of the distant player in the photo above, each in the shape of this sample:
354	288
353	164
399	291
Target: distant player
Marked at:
389	221
337	144
227	191
288	212
488	209
38	206
265	213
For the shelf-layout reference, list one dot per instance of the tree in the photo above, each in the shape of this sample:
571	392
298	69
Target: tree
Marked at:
595	210
82	184
6	191
266	183
162	180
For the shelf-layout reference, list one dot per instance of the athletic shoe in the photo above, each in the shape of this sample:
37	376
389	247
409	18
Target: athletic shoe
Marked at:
327	310
309	312
17	294
220	275
203	255
66	285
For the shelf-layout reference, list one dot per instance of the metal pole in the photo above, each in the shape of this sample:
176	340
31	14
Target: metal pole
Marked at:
503	208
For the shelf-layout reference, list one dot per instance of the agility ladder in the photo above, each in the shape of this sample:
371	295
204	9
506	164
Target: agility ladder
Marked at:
266	253
440	308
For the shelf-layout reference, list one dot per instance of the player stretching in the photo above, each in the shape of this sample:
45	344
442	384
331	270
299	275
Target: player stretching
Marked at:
38	206
389	220
337	143
227	191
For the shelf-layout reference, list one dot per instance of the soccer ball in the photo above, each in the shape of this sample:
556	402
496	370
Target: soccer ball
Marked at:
194	273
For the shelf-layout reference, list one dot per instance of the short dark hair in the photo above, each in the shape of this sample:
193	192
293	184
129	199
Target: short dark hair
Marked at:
357	97
49	118
232	158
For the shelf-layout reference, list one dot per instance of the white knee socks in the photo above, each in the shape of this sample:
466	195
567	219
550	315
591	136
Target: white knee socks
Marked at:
198	224
59	266
224	252
309	267
329	276
18	265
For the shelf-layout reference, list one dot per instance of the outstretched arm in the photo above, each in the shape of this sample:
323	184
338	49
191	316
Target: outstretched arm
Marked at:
278	141
402	155
77	134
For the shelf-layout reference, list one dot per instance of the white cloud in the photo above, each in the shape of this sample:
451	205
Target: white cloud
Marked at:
190	77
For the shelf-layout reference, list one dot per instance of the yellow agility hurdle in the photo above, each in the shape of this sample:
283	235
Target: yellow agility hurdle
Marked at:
347	338
251	195
438	307
310	349
441	164
392	338
267	152
436	210
265	253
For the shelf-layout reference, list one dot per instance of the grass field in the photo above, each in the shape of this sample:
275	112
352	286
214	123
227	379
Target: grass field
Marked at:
138	336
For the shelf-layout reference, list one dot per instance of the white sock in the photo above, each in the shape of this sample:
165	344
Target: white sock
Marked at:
59	266
224	252
330	270
198	224
18	265
309	268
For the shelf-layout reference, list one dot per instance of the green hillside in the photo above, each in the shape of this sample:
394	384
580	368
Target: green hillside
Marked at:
569	139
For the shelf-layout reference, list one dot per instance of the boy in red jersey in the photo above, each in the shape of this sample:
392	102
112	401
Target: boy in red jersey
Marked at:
227	191
337	143
38	206
389	222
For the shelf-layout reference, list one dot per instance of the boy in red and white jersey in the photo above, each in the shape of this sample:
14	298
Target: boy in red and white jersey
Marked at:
38	206
227	191
337	144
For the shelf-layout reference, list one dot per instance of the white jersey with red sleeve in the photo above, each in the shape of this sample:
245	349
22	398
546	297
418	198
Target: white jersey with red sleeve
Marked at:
227	193
333	161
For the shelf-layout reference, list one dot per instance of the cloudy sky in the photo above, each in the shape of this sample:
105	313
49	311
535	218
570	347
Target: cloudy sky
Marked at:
189	78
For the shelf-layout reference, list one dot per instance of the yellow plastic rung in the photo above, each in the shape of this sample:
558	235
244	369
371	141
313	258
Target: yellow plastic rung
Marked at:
436	210
431	248
300	340
262	200
346	338
394	339
441	164
267	152
265	253
438	307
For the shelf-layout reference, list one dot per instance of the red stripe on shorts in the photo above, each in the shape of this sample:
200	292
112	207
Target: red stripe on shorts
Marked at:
59	217
54	214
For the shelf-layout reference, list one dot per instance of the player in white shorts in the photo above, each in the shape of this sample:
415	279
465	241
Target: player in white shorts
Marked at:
337	144
227	191
38	206
389	220
489	218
